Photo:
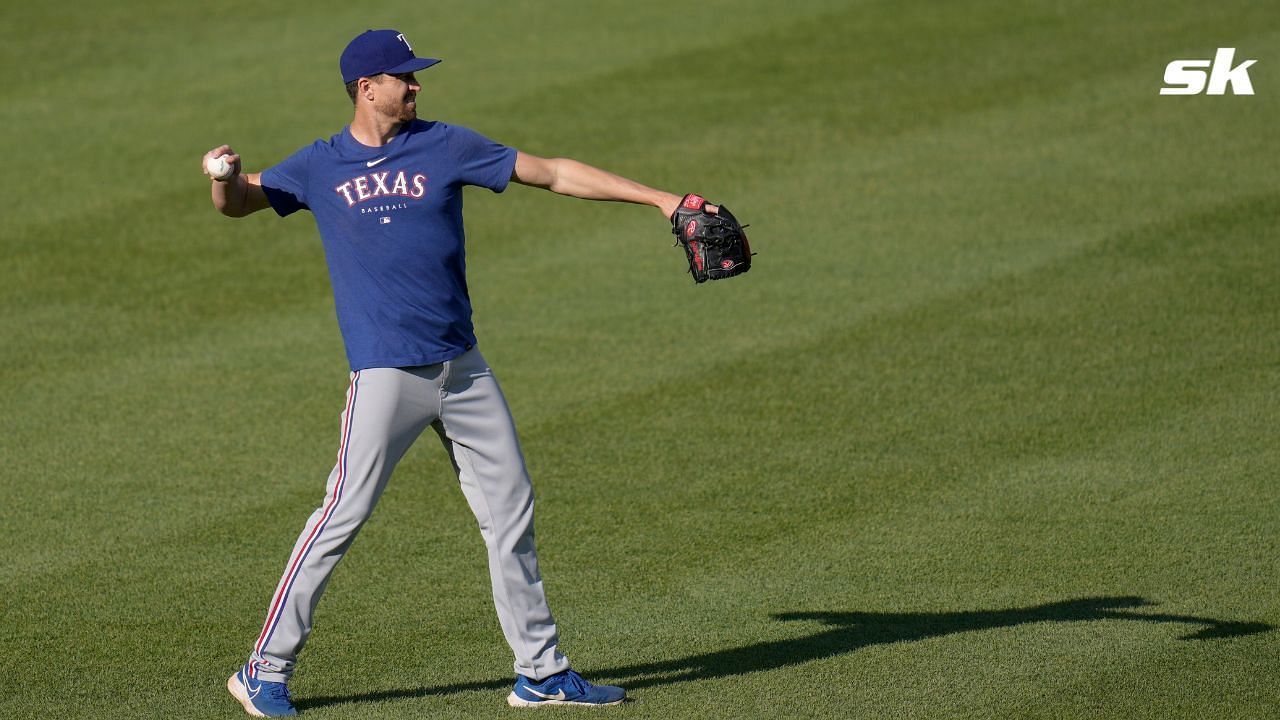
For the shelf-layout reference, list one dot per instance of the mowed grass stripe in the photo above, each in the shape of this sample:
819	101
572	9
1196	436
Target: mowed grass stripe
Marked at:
973	239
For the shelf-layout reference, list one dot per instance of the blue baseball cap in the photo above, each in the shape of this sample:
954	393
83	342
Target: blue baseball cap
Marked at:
380	51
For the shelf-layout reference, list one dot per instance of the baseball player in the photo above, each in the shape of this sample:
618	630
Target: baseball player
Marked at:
386	195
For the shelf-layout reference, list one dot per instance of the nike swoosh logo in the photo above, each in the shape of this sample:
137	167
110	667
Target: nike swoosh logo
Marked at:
558	696
251	690
371	163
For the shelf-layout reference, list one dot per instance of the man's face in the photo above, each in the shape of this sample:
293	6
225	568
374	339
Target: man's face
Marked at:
396	96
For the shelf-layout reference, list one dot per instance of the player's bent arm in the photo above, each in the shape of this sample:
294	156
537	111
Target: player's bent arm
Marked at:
240	195
576	179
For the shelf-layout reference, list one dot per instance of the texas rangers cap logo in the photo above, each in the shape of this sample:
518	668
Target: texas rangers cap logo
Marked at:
380	51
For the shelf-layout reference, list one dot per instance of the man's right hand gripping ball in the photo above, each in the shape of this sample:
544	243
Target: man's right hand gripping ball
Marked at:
713	242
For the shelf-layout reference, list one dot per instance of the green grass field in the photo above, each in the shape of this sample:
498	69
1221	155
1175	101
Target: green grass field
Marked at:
989	431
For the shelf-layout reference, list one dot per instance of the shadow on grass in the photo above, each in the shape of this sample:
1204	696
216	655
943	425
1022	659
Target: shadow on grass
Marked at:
848	632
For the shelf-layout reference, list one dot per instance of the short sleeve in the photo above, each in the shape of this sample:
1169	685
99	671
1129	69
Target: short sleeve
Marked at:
285	184
480	160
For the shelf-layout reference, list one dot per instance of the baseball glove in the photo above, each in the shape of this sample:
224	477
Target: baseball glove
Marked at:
713	242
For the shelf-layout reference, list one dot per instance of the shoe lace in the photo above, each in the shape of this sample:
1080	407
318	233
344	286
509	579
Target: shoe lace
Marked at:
576	682
278	692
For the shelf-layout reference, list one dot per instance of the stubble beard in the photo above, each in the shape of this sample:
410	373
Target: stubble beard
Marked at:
403	111
409	107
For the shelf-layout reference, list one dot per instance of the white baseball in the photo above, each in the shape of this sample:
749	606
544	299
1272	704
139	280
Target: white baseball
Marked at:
218	168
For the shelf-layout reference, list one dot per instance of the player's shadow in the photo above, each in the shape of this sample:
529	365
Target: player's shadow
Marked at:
847	632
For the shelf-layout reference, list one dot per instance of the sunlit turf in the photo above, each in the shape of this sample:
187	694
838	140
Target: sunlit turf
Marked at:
988	431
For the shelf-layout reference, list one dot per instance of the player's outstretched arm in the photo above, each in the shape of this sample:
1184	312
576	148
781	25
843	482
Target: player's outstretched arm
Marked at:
576	179
237	194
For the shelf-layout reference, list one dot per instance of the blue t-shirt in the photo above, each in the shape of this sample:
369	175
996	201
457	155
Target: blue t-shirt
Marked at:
391	222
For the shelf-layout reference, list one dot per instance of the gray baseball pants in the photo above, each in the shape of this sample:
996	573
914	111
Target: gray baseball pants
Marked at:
387	409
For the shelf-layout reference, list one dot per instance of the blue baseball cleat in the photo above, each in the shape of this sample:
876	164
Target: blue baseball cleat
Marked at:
259	697
566	688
